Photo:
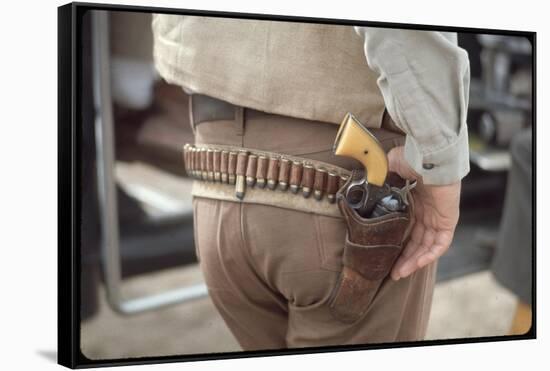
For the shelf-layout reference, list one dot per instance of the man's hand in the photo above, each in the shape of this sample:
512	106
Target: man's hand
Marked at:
435	217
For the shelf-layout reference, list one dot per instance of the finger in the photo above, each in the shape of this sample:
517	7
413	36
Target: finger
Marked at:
413	244
430	256
428	239
409	250
435	251
411	264
417	232
393	159
427	255
417	236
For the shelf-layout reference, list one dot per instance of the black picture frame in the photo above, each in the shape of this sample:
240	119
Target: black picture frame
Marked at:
70	80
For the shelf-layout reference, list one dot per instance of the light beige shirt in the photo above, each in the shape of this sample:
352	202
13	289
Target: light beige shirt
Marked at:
425	79
320	72
311	71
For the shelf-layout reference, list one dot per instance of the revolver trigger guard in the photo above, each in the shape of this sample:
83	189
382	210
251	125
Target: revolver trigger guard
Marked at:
357	186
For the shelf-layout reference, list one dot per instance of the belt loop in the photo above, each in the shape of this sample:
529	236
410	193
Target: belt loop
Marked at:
239	120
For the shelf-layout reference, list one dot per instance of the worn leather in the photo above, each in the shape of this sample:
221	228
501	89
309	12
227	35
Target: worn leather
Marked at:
296	173
371	248
251	166
224	163
217	160
284	171
205	108
209	160
242	159
273	169
232	166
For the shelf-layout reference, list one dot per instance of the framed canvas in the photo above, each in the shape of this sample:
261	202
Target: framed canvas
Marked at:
220	192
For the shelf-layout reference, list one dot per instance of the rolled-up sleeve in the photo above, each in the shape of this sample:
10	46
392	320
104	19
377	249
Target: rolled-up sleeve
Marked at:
424	78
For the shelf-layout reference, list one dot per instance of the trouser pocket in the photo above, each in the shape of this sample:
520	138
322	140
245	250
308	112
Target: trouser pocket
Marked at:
371	248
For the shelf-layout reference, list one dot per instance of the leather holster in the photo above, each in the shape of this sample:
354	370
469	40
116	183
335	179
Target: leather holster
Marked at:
371	248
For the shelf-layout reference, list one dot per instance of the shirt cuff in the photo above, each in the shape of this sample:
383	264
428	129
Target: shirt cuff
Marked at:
443	166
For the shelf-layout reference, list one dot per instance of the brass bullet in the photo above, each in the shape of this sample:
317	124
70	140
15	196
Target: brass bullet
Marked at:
260	182
319	183
240	187
307	179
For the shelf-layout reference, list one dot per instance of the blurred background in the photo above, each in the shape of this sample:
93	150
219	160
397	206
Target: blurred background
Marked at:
141	287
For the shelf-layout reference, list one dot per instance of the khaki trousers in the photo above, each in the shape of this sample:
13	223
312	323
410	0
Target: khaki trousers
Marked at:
270	271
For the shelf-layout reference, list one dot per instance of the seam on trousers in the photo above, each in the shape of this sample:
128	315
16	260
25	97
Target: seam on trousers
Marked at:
431	278
219	247
420	328
244	244
321	247
404	306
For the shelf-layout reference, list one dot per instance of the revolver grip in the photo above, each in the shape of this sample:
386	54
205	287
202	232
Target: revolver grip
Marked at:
355	141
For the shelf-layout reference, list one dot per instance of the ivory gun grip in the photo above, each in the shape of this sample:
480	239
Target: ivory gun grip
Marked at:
355	141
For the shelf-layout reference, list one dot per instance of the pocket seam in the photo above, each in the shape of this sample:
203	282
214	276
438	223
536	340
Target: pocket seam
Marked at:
321	248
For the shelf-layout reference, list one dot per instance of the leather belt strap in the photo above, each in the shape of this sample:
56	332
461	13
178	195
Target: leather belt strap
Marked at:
251	175
206	108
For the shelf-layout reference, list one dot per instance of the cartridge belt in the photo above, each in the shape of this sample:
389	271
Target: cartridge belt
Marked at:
252	175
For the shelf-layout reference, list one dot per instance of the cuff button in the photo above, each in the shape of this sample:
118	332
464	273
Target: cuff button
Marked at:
428	166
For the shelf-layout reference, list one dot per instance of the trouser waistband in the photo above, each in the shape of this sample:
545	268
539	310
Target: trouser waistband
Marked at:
205	108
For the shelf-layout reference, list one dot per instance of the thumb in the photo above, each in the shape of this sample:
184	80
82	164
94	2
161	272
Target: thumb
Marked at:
398	164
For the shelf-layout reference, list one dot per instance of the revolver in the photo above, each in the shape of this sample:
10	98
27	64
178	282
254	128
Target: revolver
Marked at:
367	191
